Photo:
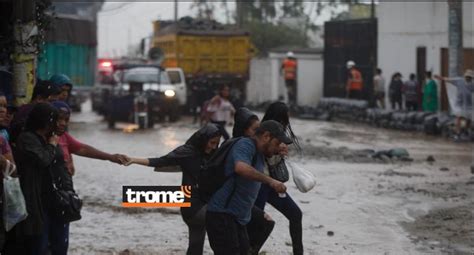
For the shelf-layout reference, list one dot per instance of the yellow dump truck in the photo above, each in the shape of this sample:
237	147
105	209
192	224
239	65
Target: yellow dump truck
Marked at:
208	57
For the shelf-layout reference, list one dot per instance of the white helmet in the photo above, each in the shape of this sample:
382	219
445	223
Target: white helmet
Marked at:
350	64
290	54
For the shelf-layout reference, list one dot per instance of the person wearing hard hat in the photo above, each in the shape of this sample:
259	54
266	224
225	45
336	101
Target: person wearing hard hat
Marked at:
289	69
463	106
354	81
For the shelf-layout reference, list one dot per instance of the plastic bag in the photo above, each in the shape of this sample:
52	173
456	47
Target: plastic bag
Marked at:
304	180
14	207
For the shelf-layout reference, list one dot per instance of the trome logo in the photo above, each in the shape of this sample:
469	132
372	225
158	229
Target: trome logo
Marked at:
156	196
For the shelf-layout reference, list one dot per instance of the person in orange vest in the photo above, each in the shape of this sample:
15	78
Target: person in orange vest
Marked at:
354	81
289	68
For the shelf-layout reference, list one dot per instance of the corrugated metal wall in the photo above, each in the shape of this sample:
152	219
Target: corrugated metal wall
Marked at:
76	61
70	49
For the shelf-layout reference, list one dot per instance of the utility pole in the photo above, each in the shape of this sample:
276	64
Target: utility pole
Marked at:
24	53
372	9
175	10
239	13
455	47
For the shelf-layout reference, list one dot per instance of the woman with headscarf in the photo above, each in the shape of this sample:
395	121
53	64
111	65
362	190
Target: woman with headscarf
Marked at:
35	152
189	158
279	112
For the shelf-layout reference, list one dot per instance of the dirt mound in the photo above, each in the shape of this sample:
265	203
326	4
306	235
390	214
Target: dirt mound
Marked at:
344	154
450	228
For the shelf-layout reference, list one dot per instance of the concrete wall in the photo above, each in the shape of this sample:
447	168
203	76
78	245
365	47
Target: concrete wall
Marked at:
404	26
267	84
259	85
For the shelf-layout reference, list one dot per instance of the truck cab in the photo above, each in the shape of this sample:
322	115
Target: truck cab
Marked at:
143	94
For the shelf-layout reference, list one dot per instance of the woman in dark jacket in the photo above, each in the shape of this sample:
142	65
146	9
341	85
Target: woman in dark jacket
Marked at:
35	151
261	224
189	158
279	112
395	91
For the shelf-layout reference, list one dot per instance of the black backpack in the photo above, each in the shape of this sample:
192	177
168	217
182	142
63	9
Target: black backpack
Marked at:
212	175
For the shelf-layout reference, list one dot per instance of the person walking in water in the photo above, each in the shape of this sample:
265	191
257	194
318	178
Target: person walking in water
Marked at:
221	110
188	159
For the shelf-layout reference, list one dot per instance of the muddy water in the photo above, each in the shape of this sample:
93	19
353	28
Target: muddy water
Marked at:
372	207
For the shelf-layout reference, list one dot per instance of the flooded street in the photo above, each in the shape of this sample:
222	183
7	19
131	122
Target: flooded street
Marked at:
372	206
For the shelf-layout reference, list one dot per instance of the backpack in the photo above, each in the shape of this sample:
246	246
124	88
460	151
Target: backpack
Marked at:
212	175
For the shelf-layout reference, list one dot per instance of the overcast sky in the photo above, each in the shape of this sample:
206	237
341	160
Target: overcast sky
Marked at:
121	24
124	23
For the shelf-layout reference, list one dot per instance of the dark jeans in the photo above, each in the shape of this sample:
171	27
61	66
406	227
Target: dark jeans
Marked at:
355	94
221	126
380	98
55	236
411	106
396	101
287	207
291	88
197	231
21	244
258	229
226	235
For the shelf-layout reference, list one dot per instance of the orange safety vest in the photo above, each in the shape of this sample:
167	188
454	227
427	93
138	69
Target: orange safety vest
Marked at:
289	68
355	82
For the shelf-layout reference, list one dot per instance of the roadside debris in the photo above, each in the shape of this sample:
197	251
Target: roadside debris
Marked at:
430	159
358	111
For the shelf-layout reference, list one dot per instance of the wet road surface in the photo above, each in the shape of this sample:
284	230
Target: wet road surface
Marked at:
373	207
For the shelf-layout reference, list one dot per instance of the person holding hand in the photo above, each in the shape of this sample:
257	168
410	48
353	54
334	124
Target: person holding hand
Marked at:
70	145
188	159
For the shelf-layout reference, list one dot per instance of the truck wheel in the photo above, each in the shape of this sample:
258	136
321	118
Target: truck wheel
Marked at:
151	121
141	123
174	115
110	122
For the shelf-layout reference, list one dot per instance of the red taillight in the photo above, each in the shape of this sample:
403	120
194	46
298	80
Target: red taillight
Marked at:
106	64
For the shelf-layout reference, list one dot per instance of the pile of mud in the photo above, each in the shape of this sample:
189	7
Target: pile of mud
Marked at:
344	154
450	228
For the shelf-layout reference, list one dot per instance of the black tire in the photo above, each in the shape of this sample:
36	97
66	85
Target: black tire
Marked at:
141	123
110	122
151	121
174	115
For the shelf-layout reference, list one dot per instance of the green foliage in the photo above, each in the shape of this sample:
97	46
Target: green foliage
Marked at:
266	36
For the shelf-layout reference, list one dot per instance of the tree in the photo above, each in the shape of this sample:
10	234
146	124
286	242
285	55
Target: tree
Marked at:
205	9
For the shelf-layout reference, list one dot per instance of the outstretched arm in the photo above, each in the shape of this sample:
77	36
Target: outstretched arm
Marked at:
448	79
138	161
91	152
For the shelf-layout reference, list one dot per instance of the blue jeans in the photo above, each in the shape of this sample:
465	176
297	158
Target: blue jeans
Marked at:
289	209
55	236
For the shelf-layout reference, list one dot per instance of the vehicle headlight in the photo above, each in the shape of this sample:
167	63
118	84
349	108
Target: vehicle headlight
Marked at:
170	93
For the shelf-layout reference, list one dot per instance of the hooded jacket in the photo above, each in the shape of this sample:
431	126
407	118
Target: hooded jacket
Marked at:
242	119
188	158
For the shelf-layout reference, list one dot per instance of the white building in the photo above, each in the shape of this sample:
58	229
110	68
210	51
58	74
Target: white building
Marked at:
412	36
267	84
